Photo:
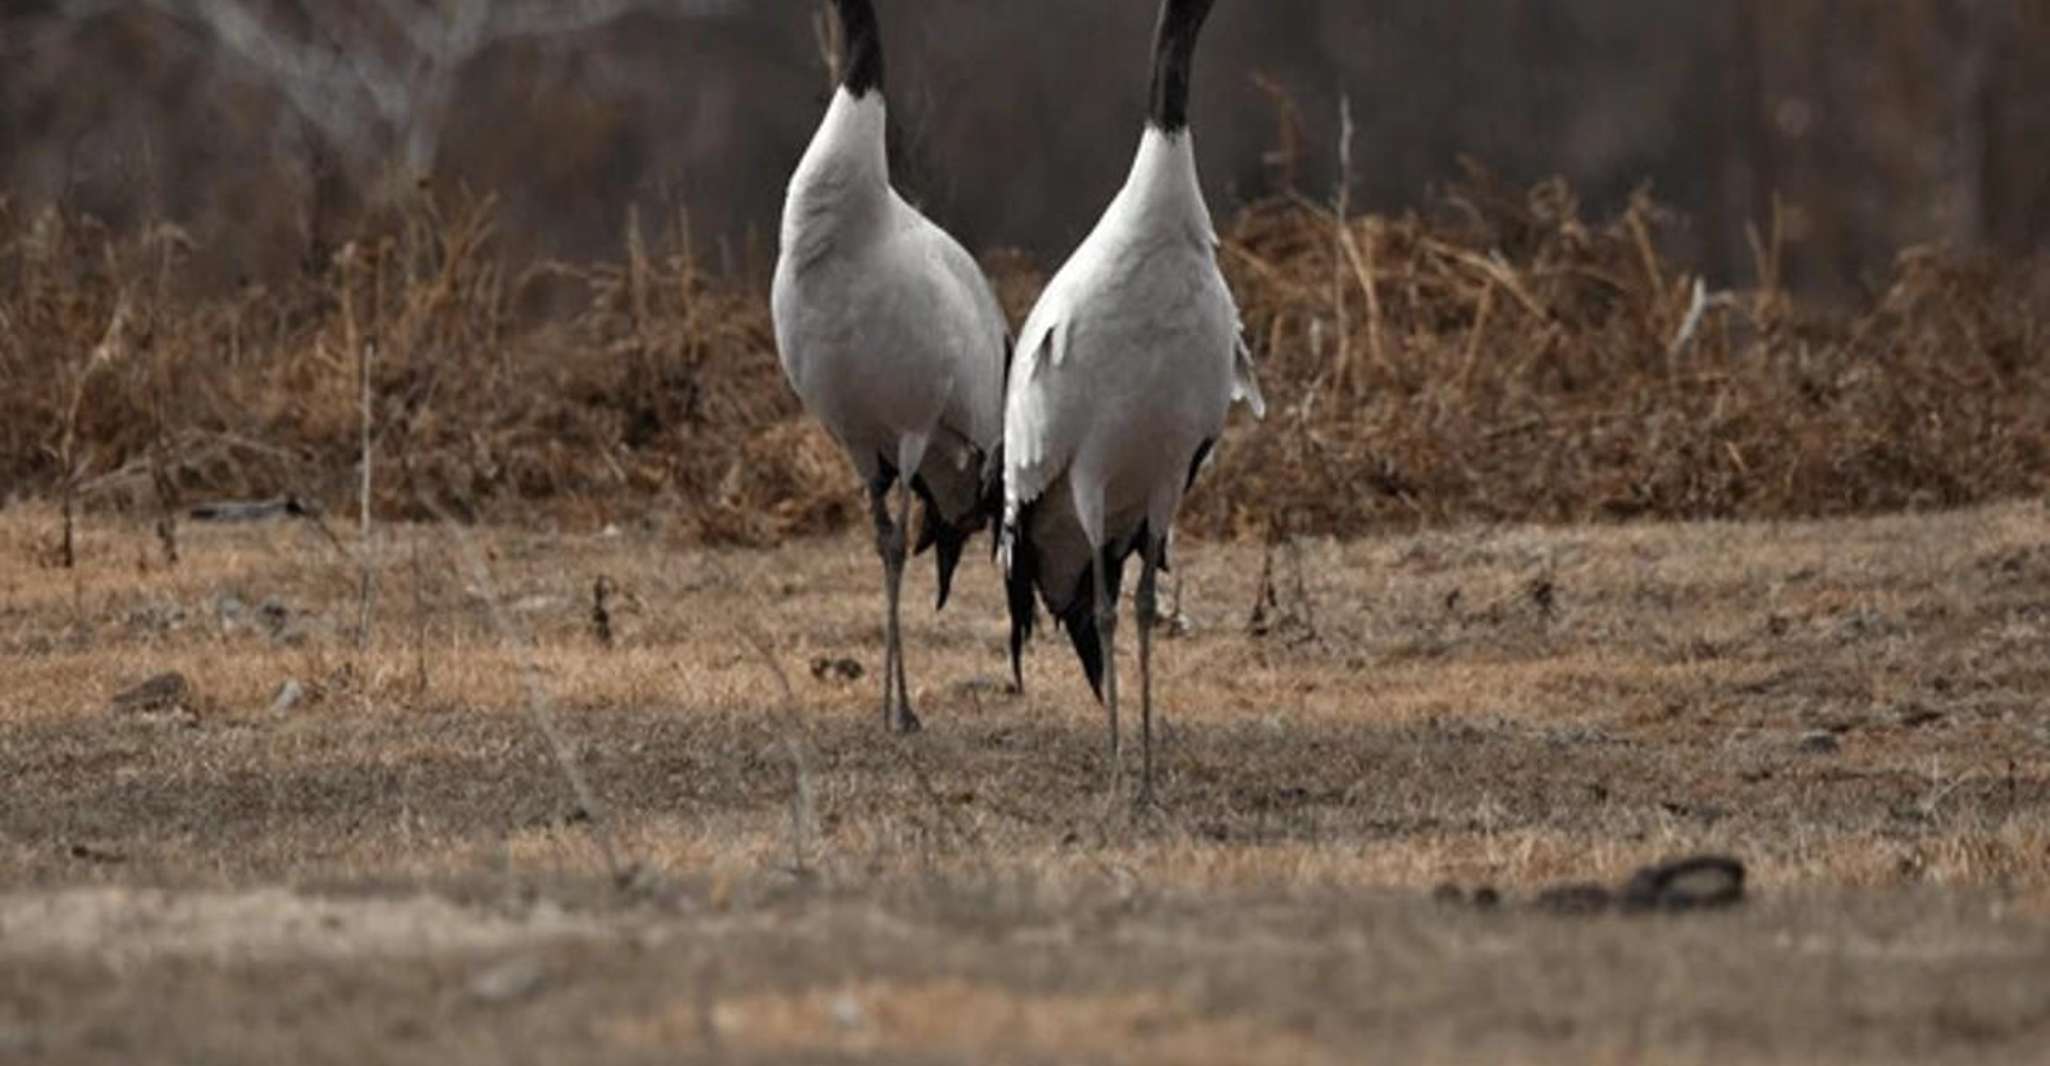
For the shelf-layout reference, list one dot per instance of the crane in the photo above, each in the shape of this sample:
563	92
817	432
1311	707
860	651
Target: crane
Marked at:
890	335
1124	373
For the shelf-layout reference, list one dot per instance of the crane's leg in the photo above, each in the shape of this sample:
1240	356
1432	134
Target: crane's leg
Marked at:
1146	608
1106	634
906	722
890	544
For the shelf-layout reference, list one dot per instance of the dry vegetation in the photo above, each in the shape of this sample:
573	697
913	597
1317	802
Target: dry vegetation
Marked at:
368	846
1494	356
393	866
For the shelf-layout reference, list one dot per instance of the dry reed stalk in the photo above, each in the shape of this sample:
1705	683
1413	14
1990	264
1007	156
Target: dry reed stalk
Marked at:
365	533
1342	250
421	681
1513	361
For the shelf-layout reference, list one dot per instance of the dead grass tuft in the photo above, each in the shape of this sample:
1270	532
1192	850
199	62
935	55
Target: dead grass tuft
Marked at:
1493	356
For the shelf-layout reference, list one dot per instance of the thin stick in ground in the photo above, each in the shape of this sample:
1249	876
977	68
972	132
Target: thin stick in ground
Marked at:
367	591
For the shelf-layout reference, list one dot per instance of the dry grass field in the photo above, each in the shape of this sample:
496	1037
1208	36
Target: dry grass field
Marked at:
387	863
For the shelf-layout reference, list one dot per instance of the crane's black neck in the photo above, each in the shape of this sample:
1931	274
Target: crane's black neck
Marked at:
861	47
1174	54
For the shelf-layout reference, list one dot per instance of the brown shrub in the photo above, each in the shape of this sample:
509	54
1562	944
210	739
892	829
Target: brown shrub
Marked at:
1494	357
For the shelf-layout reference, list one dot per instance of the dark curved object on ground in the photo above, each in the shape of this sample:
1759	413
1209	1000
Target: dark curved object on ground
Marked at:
1699	882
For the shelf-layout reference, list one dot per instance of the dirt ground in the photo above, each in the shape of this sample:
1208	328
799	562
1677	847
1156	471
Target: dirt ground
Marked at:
318	853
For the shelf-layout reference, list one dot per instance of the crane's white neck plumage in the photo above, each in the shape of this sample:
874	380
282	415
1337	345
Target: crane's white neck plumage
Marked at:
1162	194
843	182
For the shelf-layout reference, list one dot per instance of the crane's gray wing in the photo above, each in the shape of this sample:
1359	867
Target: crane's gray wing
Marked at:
1042	400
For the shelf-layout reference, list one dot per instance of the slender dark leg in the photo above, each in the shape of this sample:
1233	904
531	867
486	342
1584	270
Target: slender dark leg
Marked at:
906	721
1106	631
1146	609
890	547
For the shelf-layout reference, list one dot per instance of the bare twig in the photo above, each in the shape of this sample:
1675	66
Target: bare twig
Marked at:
1347	373
419	619
601	610
366	547
102	354
167	503
1696	307
826	30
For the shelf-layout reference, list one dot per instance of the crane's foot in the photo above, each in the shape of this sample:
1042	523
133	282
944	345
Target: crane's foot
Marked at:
902	721
1147	803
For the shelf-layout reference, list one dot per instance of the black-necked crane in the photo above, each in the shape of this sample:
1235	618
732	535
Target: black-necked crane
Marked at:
1124	373
890	334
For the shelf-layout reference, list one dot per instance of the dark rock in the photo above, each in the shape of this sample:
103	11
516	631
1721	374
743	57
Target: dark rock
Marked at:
165	695
1820	742
1694	883
1915	716
831	669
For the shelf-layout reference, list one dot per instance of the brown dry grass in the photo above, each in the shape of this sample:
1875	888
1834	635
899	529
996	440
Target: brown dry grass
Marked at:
1512	706
1495	356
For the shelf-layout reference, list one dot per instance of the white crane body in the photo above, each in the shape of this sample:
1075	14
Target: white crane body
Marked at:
890	336
1125	371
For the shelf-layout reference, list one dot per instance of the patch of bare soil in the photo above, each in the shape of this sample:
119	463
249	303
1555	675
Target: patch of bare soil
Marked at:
1365	744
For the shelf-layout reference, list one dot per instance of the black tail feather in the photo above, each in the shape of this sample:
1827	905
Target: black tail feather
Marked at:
1080	622
1080	617
1019	583
934	531
992	503
950	540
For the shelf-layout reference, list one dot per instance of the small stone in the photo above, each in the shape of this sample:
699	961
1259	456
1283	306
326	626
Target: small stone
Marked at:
232	612
167	693
507	981
289	695
1486	898
1820	742
1915	716
843	670
96	853
1448	894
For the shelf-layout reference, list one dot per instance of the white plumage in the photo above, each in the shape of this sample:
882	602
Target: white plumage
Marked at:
1124	373
890	335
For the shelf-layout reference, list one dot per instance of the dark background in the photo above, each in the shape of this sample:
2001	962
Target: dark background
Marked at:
1878	123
